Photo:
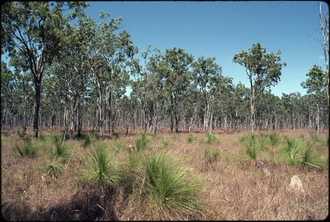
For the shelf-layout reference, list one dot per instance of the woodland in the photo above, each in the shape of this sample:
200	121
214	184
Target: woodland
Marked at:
92	129
68	71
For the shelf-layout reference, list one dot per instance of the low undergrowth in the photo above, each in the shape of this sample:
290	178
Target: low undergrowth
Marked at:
163	177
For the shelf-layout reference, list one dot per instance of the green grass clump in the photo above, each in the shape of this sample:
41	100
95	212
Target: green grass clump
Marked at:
251	145
88	140
100	168
210	138
212	154
141	142
169	186
29	149
165	143
61	148
191	138
294	145
274	139
54	168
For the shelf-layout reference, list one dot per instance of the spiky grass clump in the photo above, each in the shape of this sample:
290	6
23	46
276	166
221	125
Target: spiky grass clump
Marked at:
167	187
250	143
61	148
294	145
212	154
88	140
100	167
141	142
54	168
211	138
29	149
274	139
191	138
165	143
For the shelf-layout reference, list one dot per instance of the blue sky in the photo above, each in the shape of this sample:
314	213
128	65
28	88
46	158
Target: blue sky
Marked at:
220	29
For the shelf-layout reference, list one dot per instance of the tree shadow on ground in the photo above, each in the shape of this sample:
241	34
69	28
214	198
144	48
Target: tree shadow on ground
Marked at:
83	206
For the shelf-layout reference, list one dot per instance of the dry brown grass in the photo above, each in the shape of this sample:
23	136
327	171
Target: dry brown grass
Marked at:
233	188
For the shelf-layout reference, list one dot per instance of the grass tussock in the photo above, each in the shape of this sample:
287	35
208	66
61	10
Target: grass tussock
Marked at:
211	138
141	142
100	168
166	187
191	138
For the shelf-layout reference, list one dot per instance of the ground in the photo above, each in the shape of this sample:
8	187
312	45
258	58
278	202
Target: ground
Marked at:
232	187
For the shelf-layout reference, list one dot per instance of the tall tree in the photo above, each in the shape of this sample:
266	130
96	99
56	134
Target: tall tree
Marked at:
315	85
206	73
324	29
34	29
263	70
177	80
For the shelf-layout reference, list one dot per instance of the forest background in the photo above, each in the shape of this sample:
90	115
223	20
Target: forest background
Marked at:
63	68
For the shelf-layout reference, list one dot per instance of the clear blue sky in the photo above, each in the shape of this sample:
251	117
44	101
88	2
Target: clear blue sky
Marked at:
220	29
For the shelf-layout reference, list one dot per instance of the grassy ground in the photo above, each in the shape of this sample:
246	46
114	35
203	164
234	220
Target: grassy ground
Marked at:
48	179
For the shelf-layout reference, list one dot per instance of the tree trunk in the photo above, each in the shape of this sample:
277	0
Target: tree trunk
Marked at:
318	119
37	85
252	109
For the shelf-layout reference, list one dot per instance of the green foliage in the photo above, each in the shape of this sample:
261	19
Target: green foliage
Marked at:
100	167
165	143
30	148
141	142
210	138
263	141
274	139
88	140
250	143
212	154
61	148
54	168
292	149
170	186
316	80
191	138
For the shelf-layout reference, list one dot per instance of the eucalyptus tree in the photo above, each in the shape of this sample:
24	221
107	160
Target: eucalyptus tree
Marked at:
263	71
69	70
177	79
16	85
9	86
268	106
239	104
149	86
222	95
291	103
157	69
109	53
316	85
206	73
34	29
324	29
